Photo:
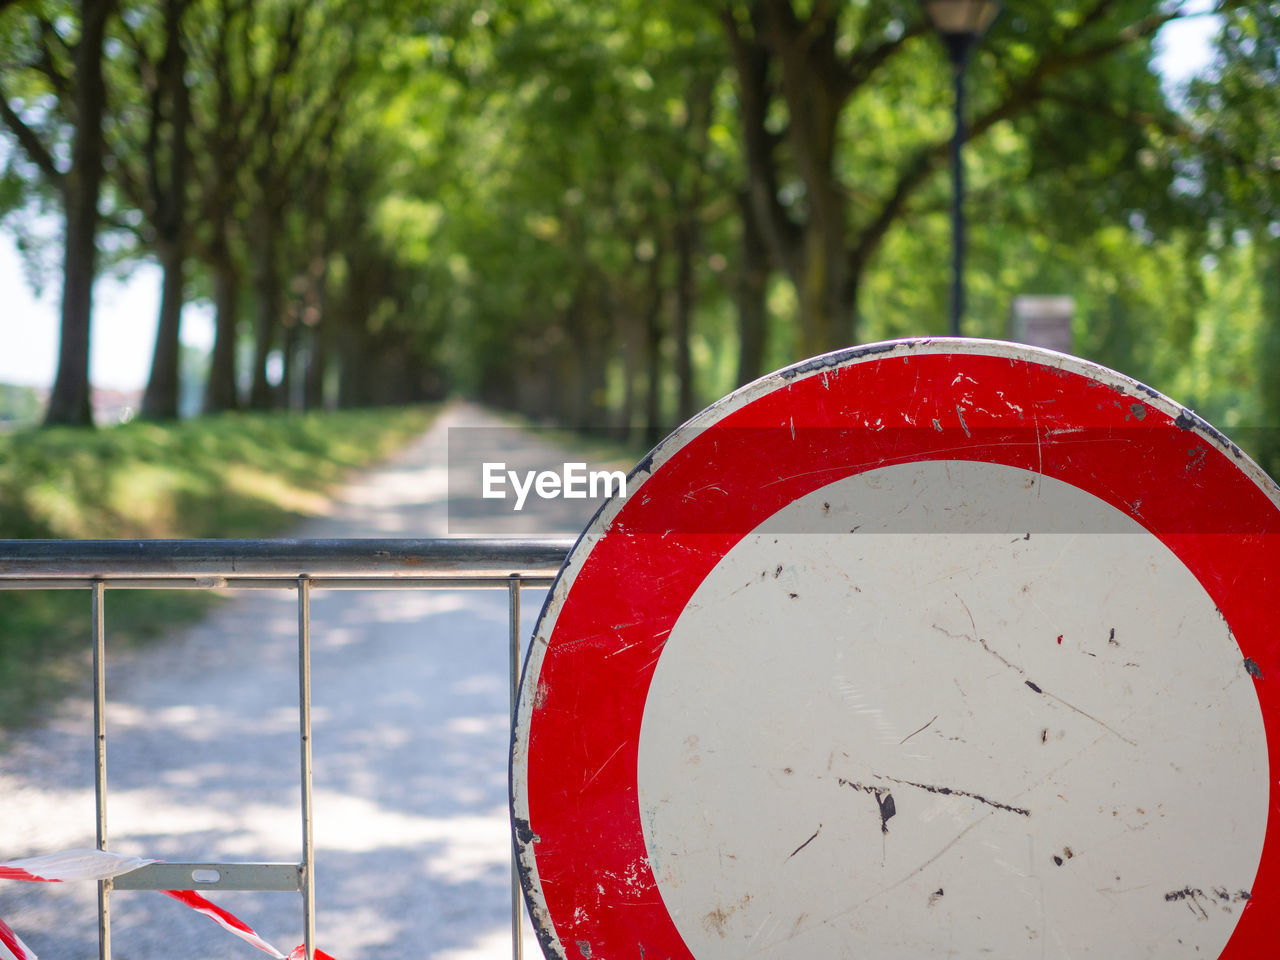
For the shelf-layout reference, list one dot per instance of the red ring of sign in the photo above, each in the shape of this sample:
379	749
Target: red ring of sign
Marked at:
892	403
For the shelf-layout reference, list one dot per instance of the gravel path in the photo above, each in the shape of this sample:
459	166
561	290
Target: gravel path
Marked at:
410	744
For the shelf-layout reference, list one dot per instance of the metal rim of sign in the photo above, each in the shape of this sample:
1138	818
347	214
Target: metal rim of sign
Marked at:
579	837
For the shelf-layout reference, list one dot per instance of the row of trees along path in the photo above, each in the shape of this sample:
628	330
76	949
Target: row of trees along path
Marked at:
610	215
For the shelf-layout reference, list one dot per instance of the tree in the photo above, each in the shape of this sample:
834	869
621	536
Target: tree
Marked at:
280	77
221	127
1230	163
152	166
826	193
586	162
83	98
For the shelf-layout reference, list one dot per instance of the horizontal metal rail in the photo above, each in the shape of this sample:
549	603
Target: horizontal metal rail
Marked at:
330	564
298	565
213	876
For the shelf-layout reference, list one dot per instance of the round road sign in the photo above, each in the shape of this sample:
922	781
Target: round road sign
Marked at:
923	649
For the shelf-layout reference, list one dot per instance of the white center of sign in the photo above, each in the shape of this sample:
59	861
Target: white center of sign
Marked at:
952	733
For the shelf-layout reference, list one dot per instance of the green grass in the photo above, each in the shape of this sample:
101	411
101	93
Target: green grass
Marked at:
235	475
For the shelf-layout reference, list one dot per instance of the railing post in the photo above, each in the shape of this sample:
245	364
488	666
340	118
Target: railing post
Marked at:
304	724
517	902
97	625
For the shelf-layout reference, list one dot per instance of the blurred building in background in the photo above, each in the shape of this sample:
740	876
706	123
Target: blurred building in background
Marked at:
1042	321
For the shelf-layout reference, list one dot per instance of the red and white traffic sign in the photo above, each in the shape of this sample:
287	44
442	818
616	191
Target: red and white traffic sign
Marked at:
922	649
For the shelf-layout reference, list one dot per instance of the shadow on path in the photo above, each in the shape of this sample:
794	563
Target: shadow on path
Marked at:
411	728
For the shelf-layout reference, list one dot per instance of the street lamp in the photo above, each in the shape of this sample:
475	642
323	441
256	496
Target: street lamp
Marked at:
960	24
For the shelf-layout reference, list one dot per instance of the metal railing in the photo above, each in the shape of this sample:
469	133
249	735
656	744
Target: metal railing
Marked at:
300	565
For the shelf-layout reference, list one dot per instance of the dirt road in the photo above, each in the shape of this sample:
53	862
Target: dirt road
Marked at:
410	705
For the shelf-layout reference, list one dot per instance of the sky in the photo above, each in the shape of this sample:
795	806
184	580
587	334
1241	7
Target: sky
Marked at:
125	310
122	337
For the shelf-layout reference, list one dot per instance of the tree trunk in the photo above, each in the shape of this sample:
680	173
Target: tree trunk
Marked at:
599	344
686	242
317	362
160	400
630	355
69	401
222	387
316	325
797	58
654	426
357	371
813	89
1266	251
171	113
354	374
293	384
753	286
266	287
578	410
220	391
826	319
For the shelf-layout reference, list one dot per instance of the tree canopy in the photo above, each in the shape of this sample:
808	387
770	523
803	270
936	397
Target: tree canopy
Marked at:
608	215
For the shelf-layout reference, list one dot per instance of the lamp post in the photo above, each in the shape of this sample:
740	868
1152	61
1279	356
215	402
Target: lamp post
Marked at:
960	24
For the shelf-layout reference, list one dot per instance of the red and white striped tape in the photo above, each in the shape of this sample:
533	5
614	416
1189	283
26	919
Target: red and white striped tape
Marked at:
11	945
227	921
71	865
103	865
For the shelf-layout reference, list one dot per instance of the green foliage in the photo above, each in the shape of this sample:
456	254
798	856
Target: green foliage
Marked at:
541	202
1230	172
1231	166
18	405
